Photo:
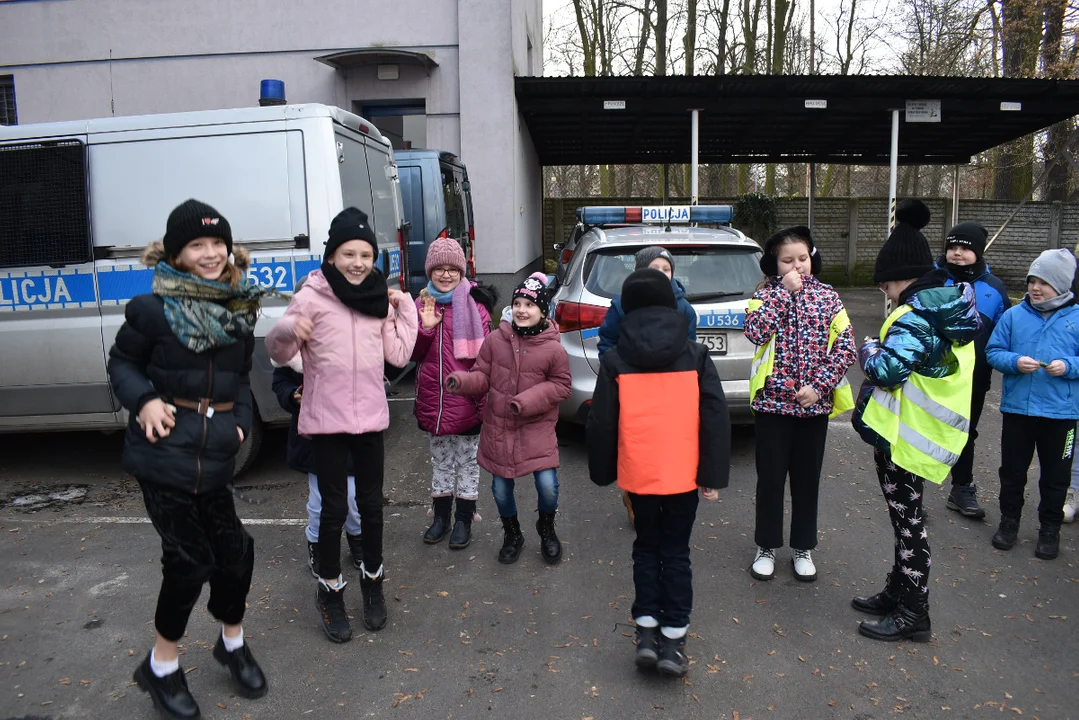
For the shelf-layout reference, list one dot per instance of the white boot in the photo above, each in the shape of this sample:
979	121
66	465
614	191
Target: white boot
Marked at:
804	569
764	564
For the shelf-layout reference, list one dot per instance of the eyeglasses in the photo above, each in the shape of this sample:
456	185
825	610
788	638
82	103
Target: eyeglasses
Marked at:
452	272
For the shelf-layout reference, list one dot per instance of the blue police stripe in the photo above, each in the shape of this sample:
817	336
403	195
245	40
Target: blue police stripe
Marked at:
585	334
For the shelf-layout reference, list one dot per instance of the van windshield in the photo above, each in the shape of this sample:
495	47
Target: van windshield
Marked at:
454	196
708	273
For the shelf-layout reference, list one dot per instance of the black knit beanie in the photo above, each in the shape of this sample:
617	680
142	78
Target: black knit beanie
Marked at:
970	235
645	288
193	219
906	254
535	288
350	224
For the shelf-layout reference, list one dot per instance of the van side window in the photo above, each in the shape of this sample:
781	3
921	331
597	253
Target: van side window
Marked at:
355	181
453	194
44	220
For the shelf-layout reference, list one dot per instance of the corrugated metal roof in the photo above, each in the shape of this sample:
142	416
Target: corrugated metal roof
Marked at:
765	118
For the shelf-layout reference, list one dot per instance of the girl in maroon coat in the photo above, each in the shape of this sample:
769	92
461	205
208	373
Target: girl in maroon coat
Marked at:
454	320
524	372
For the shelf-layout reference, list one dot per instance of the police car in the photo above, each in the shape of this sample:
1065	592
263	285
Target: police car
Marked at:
718	266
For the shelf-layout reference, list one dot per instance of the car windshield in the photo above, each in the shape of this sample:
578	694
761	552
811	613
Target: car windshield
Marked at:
708	273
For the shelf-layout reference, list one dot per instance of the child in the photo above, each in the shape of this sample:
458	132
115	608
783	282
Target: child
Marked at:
1036	347
455	317
523	370
180	367
964	249
805	345
914	409
659	426
288	385
346	323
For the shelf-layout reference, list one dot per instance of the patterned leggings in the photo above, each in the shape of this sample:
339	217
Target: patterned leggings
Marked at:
903	493
454	469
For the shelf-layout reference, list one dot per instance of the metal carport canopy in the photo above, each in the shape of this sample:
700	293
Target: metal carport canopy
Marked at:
782	118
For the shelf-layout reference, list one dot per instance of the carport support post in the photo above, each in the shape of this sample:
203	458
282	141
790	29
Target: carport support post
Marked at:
893	171
955	196
812	192
694	150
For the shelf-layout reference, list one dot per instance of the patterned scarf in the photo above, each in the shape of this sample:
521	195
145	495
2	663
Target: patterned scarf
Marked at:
204	314
531	331
467	323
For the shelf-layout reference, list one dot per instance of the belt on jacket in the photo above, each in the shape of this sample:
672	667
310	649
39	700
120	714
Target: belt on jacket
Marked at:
204	406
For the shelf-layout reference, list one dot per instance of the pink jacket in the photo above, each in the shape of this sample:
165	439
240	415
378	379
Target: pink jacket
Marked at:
440	412
343	390
525	379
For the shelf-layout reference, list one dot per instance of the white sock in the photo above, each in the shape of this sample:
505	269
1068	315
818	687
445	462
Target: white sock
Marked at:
646	621
674	633
232	643
161	669
369	576
337	584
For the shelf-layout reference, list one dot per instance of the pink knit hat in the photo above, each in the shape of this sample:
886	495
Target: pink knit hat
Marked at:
443	252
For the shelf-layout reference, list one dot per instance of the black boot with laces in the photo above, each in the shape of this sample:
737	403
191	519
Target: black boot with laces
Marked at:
1048	542
332	612
513	541
549	543
883	602
169	693
374	604
672	656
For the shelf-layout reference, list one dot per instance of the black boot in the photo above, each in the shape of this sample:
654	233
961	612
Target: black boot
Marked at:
440	526
647	647
246	673
332	612
1048	542
169	693
672	656
513	542
374	605
883	602
964	500
355	549
312	558
909	621
549	544
1006	534
462	525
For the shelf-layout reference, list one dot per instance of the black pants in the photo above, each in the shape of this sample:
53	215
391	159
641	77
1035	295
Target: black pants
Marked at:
662	577
788	446
201	539
331	460
903	493
963	471
1055	443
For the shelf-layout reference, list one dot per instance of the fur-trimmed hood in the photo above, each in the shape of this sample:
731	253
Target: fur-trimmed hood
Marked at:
155	253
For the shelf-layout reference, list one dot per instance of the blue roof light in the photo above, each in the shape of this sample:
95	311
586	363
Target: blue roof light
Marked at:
602	215
711	213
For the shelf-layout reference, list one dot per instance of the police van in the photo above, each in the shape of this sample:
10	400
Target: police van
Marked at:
79	202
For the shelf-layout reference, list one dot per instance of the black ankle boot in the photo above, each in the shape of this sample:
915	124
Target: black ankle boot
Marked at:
1006	534
169	693
462	525
332	613
647	647
909	621
549	544
246	673
513	542
1048	542
440	526
672	656
882	603
374	605
355	549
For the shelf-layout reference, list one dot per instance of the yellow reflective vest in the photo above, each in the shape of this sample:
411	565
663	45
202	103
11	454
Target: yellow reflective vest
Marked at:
926	420
764	363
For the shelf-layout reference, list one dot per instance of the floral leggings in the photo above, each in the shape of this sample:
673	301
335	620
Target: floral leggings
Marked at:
455	472
903	493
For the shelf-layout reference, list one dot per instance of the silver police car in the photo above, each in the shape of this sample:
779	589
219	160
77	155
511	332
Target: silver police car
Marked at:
718	266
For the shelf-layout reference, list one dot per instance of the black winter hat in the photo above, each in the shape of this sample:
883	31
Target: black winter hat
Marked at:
645	288
350	224
645	256
193	219
769	261
535	288
906	254
970	235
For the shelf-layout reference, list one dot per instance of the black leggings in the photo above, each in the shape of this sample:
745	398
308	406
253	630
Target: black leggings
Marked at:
903	494
331	461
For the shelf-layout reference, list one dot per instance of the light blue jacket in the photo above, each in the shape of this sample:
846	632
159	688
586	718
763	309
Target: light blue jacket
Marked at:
1023	331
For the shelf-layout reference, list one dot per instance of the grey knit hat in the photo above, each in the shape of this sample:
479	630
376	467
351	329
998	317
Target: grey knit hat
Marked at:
1056	267
645	257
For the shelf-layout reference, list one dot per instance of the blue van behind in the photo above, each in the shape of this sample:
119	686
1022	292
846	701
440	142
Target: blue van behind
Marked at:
437	200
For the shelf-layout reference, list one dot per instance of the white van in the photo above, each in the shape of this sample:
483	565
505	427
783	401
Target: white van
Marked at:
79	201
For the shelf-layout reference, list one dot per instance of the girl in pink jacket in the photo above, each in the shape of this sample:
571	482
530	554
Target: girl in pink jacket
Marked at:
454	320
523	370
346	323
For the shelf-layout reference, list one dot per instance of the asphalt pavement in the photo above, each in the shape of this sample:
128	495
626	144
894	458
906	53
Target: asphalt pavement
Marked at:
470	638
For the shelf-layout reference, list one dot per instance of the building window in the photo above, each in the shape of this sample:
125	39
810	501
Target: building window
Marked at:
405	124
8	116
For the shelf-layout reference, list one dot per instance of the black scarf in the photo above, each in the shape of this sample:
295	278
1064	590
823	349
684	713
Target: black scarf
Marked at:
368	298
966	273
530	331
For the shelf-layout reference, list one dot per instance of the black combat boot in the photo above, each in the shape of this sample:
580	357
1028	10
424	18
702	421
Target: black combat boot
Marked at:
883	602
964	500
1006	534
512	543
440	526
549	544
462	524
374	605
332	612
1048	542
909	621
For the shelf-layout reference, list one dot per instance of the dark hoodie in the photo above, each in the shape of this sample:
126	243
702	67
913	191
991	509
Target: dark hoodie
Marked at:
992	299
919	341
659	423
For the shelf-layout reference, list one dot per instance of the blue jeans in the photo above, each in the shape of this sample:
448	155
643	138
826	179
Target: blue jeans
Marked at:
314	508
546	488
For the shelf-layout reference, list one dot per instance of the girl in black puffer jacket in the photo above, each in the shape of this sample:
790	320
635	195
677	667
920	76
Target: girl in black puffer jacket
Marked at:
180	367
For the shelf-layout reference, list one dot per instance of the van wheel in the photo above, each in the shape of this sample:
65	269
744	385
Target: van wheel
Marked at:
249	450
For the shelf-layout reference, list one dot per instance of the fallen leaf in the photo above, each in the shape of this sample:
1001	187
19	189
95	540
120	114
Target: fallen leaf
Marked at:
442	593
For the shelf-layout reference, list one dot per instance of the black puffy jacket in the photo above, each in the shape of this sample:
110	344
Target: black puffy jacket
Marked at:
148	361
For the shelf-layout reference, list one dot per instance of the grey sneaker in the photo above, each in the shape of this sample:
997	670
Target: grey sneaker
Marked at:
963	499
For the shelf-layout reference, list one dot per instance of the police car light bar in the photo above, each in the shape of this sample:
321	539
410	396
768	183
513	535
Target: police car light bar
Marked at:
656	214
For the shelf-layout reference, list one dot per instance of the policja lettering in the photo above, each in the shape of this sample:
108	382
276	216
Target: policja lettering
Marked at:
34	291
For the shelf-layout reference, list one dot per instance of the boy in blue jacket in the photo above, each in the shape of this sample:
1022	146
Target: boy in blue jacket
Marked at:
1036	347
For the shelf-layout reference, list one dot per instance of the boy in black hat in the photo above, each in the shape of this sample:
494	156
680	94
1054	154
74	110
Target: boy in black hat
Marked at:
963	259
659	426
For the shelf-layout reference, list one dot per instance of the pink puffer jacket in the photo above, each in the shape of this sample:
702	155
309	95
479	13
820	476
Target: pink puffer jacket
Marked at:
343	390
525	379
440	412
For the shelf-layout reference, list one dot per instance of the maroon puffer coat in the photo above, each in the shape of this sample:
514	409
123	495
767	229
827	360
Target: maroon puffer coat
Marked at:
438	411
525	379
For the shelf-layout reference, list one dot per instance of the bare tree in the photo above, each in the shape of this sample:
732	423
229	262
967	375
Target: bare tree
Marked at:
1020	36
